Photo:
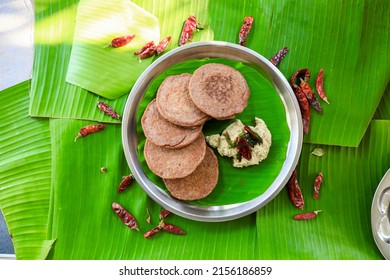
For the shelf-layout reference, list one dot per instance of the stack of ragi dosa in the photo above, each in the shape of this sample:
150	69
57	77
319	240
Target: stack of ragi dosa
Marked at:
175	147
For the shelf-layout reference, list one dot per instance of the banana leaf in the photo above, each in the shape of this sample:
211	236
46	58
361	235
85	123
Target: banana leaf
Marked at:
51	95
316	32
25	173
93	59
346	38
83	196
343	229
383	110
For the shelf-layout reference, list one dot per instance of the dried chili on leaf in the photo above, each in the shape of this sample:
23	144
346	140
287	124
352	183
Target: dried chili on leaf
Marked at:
301	97
108	110
306	216
317	185
305	108
278	57
148	50
121	41
162	45
164	213
244	30
171	228
320	86
125	183
311	97
86	130
295	192
126	217
152	232
190	25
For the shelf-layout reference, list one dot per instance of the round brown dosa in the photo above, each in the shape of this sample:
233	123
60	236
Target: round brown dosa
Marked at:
164	133
174	102
218	90
169	163
198	184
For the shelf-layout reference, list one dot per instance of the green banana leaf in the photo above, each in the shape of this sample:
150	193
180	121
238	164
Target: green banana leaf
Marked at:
25	173
316	33
116	68
83	196
348	39
51	95
343	229
383	110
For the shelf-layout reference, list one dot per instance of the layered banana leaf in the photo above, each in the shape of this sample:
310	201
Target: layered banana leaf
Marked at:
85	226
348	39
383	110
342	230
25	173
316	33
116	67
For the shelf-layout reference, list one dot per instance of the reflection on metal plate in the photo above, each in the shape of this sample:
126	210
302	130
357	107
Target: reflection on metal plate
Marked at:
380	216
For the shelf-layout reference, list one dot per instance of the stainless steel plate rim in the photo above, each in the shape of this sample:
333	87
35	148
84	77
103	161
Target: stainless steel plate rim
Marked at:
211	49
377	214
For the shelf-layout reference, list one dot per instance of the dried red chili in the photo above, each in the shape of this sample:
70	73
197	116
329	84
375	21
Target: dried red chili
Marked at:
294	190
121	41
305	108
148	50
164	213
189	27
162	45
171	228
108	110
152	232
244	149
125	216
125	183
255	137
311	97
307	215
244	30
92	128
301	97
317	185
278	57
320	86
